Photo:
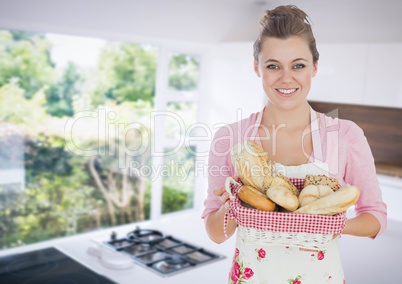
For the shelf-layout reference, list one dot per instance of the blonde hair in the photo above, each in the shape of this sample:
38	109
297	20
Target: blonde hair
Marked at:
284	22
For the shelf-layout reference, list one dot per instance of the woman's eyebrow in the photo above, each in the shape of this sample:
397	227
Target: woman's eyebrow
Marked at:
276	61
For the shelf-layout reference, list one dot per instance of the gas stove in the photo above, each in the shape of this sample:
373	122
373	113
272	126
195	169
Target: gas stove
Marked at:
163	254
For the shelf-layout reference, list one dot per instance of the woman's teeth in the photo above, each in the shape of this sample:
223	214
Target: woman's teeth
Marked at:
286	91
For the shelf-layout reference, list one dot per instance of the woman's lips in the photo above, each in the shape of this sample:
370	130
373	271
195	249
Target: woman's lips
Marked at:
287	92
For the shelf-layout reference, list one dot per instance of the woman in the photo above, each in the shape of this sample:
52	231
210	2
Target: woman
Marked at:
301	141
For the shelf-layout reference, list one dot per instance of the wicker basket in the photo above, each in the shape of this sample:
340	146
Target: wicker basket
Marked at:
281	228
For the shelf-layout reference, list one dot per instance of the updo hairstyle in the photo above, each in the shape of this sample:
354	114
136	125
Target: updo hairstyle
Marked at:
284	22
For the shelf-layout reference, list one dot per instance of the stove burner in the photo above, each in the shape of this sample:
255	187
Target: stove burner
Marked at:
172	263
145	236
175	259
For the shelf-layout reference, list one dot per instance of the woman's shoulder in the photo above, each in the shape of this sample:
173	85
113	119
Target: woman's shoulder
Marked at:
242	127
346	128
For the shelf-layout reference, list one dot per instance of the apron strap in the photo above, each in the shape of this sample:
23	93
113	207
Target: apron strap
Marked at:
257	123
315	136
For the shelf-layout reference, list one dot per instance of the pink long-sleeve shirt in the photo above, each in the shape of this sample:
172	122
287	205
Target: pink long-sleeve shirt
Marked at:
345	150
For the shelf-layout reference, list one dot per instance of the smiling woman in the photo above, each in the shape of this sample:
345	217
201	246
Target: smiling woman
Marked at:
296	141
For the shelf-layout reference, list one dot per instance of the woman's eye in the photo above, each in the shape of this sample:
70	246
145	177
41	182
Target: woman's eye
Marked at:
299	66
272	66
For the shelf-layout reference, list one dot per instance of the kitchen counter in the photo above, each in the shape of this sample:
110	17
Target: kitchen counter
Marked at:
390	170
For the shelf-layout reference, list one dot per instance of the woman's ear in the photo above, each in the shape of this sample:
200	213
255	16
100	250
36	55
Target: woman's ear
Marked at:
315	68
256	69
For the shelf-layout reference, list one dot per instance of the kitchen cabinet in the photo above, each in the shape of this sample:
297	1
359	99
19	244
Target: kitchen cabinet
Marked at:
383	83
341	73
366	73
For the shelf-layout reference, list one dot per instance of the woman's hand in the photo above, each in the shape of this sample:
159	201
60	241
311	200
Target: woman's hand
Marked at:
363	225
215	220
224	196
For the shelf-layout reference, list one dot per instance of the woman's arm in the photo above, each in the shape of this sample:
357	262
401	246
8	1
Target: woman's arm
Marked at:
371	211
363	225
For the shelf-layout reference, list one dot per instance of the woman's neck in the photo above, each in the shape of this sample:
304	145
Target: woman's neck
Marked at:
292	118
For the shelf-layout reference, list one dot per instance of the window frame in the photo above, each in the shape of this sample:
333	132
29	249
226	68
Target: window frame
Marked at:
163	96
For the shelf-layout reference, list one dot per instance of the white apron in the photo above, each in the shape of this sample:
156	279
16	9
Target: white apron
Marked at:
260	263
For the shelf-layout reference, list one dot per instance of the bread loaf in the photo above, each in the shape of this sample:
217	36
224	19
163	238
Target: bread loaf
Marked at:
283	196
334	203
313	192
281	180
321	180
252	165
256	198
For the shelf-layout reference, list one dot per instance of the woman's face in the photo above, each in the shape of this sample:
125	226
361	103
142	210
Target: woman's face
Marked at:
286	68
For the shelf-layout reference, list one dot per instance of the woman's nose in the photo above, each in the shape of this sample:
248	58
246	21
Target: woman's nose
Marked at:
286	75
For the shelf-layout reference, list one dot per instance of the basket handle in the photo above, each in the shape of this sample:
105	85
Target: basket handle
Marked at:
231	187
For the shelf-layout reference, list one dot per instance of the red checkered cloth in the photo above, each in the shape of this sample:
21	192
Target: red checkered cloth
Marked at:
283	221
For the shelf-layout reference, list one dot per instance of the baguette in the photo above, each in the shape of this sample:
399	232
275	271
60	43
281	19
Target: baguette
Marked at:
334	203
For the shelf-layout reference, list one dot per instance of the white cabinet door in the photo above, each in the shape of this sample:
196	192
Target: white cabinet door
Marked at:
384	75
341	73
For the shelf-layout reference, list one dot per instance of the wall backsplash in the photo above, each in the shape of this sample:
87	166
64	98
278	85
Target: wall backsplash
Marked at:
381	125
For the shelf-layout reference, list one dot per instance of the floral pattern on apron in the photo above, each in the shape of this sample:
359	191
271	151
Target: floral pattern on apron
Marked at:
281	264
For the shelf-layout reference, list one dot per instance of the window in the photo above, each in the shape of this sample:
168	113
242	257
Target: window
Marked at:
79	145
177	97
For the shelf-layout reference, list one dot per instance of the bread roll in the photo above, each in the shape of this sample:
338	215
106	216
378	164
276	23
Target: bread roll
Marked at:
252	165
281	180
283	196
334	203
256	198
313	192
321	180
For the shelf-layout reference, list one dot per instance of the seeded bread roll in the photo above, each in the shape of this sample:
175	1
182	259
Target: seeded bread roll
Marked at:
321	180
